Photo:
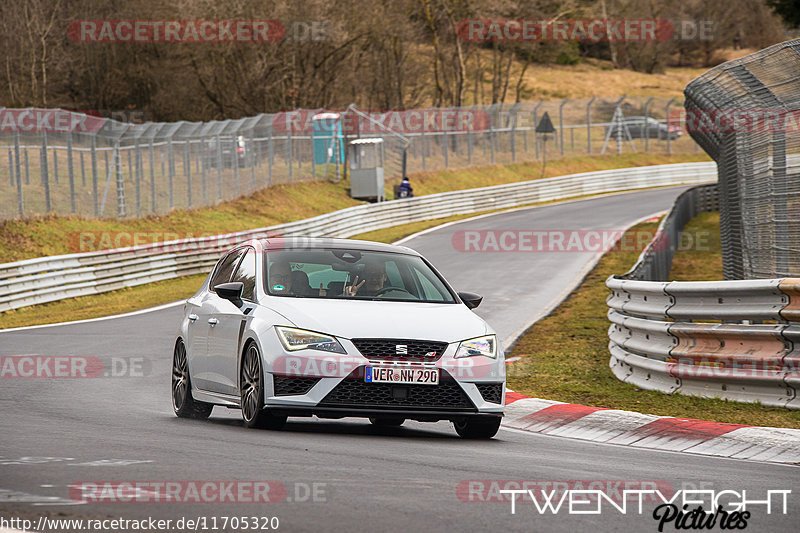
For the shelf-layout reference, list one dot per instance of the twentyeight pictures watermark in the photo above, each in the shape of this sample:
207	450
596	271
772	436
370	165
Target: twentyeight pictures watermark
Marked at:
671	508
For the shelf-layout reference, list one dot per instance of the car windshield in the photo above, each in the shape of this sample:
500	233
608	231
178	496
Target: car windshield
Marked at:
353	274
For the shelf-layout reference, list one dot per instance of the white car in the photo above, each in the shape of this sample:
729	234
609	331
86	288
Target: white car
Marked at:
336	328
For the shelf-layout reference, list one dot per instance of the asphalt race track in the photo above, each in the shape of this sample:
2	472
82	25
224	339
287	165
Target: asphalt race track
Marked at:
338	475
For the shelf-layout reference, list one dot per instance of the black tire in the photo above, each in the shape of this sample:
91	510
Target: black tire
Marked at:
478	428
251	385
387	421
182	402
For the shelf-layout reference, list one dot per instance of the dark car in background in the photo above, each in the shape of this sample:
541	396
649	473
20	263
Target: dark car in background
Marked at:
641	127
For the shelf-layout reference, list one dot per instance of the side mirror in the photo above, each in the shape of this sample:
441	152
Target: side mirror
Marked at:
470	299
231	291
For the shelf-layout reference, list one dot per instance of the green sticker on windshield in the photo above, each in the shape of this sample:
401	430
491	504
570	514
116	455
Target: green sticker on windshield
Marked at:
278	288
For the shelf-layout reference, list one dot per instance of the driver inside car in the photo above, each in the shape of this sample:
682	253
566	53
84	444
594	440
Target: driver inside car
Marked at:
372	280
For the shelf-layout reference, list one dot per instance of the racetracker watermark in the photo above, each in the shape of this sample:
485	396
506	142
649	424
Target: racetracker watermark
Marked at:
584	30
239	491
736	120
374	122
588	241
199	31
72	367
48	120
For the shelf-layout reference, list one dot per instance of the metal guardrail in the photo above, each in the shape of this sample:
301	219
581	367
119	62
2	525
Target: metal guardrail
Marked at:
48	279
726	339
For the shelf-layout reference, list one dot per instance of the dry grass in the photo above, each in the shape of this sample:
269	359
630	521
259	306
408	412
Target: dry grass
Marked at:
566	354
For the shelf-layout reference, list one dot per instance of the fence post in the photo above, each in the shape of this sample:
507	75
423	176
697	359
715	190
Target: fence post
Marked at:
152	177
235	164
187	170
561	124
83	170
45	177
647	125
55	166
666	114
251	156
513	119
589	126
443	140
536	123
27	167
291	154
70	173
10	167
20	204
219	167
94	174
201	155
270	154
171	171
121	208
137	171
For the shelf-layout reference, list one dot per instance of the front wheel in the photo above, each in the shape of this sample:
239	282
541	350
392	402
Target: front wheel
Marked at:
251	384
478	428
182	402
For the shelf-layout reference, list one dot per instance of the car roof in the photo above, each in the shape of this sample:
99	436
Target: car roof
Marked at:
316	243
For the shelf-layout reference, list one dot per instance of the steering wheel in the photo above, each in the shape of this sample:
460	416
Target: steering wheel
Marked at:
387	289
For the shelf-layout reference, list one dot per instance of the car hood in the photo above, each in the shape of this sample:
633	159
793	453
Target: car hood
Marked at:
392	320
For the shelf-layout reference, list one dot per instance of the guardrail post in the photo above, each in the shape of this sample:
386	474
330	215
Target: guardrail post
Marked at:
561	124
589	125
666	114
20	203
647	125
45	177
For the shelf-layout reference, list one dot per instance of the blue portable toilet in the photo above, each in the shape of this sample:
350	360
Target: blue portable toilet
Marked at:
327	134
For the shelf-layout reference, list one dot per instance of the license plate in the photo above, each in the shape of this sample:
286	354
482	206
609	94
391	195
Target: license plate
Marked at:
401	375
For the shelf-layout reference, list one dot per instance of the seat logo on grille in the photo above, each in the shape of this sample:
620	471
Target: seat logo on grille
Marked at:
401	349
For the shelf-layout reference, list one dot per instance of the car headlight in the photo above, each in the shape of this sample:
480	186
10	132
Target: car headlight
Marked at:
299	339
486	346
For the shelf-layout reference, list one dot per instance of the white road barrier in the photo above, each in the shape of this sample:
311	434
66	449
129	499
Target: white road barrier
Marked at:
48	279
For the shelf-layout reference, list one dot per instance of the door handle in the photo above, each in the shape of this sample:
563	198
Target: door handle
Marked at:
193	317
213	321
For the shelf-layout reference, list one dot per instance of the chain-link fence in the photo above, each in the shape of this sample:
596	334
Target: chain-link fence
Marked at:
746	115
55	161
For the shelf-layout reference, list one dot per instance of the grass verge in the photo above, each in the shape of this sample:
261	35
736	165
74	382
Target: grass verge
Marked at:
44	236
566	354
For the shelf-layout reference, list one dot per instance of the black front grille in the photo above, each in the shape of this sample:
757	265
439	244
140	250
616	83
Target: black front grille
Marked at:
491	392
386	349
289	386
354	392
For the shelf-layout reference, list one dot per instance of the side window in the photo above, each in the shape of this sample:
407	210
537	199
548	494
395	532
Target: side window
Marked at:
225	269
429	290
246	273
